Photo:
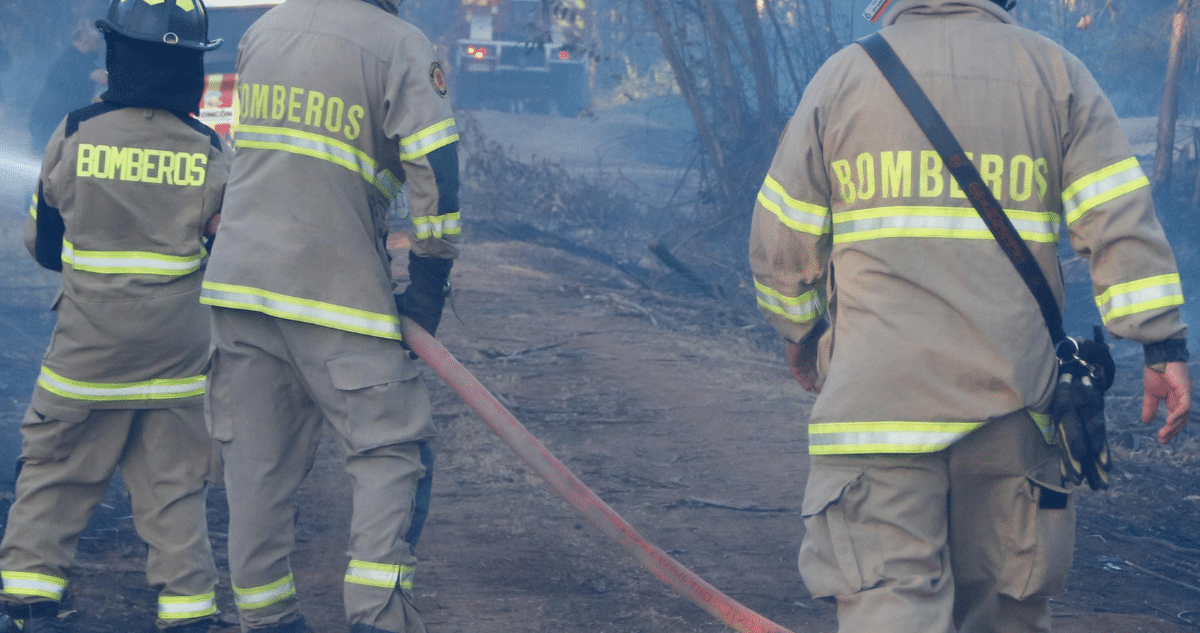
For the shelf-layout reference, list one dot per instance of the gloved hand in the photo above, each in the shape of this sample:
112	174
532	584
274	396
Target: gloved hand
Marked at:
425	297
1078	411
1173	384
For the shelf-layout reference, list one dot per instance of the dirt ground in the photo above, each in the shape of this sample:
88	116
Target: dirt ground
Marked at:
693	433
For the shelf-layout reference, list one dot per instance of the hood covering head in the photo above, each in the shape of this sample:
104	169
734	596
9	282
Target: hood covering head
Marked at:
900	10
151	75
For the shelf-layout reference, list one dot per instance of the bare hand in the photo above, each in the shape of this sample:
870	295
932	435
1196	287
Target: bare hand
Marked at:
210	229
1173	384
802	360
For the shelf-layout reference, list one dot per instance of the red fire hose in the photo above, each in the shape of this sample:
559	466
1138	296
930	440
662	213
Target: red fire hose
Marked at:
531	451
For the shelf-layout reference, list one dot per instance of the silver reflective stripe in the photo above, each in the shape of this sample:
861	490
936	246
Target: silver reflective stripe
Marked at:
380	575
186	607
937	222
803	309
435	136
427	226
297	309
797	215
834	438
322	147
266	595
130	262
1099	187
159	389
19	583
1161	291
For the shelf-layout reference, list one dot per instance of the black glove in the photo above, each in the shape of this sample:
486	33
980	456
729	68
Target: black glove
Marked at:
1078	412
425	297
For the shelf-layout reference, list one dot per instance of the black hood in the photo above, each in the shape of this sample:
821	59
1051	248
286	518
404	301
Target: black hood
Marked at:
152	75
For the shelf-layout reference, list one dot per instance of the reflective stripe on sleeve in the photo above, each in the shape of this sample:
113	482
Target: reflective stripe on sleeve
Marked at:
20	583
1162	291
428	139
361	572
938	222
158	389
186	607
130	262
297	309
840	438
266	595
33	204
794	214
1099	187
803	309
321	147
427	226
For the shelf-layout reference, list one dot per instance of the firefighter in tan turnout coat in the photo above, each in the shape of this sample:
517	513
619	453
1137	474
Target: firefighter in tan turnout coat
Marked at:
341	103
935	502
128	190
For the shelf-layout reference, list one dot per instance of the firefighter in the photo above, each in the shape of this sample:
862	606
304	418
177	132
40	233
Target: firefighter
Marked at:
935	501
342	103
129	190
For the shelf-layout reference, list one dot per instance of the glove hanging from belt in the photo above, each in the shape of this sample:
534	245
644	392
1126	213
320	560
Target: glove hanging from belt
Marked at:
425	297
1086	371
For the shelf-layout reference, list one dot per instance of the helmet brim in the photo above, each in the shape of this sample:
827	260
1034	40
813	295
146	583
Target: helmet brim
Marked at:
108	27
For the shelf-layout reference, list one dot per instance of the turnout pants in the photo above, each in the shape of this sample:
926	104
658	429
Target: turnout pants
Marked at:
68	460
271	383
975	538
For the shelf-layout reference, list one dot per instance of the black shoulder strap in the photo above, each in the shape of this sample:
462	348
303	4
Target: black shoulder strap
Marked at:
213	138
968	178
87	112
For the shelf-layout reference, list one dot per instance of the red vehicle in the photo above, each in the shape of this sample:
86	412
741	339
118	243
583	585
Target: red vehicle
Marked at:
228	20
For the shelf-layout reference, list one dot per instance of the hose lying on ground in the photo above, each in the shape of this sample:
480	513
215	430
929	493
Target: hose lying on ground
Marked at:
598	513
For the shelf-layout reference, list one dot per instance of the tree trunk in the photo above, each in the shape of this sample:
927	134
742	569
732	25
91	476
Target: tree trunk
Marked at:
764	78
1165	155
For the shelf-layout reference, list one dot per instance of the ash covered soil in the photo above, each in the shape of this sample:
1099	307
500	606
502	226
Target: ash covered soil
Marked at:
683	421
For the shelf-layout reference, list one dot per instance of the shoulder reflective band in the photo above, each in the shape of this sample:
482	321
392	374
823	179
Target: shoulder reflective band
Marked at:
938	222
427	226
838	438
794	214
33	204
297	309
186	607
1162	291
1097	188
159	389
321	147
429	139
130	262
361	572
19	583
266	595
803	309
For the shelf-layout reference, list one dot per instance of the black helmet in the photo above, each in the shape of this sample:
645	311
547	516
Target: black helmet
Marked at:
181	23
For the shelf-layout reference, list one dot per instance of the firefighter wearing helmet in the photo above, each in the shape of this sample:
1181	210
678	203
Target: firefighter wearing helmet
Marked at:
344	117
129	192
937	500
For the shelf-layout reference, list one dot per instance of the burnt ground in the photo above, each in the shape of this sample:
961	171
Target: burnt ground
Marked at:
674	411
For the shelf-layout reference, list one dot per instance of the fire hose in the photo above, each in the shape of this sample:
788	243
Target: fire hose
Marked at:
596	511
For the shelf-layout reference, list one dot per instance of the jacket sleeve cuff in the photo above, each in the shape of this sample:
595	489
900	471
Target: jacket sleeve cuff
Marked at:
1168	351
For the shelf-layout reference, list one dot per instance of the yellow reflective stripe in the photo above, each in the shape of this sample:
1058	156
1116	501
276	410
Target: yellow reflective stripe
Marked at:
938	222
20	583
296	309
1099	187
428	139
380	575
157	389
1151	293
841	438
1045	424
130	262
794	214
33	204
322	147
186	607
266	595
803	309
427	226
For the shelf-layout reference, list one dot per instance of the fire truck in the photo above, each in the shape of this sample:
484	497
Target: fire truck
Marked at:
525	55
228	20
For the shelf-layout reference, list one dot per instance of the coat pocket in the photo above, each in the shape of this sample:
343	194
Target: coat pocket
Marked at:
385	400
829	564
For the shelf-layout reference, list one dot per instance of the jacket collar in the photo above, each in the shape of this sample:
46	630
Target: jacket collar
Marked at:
904	10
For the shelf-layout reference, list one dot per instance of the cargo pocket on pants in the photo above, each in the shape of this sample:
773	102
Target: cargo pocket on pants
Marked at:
385	401
828	563
218	408
1039	537
50	433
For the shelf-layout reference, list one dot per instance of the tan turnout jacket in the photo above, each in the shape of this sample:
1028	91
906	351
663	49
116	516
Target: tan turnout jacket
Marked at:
329	129
933	330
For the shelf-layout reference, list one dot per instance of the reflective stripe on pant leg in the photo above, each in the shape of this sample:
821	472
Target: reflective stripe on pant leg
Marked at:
361	572
172	608
19	583
424	492
250	598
